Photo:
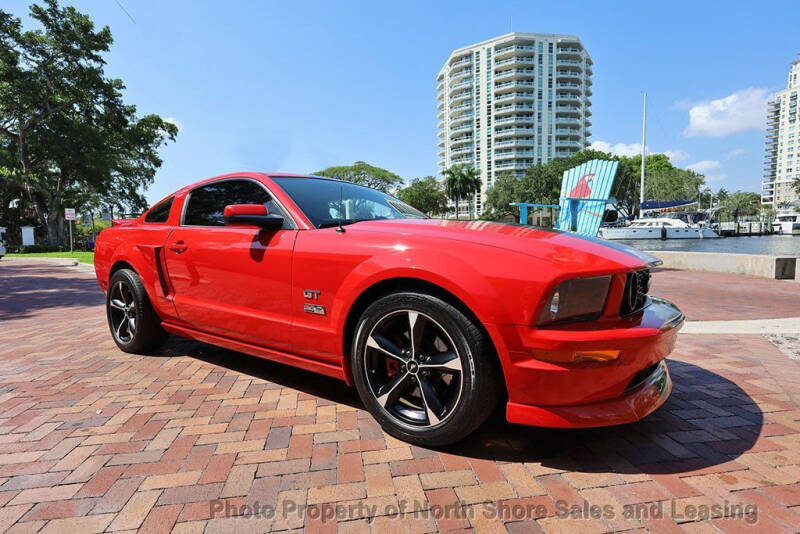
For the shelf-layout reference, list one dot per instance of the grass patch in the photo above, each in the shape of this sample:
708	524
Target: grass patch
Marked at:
80	255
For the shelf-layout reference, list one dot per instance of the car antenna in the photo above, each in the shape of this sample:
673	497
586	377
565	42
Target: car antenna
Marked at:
340	229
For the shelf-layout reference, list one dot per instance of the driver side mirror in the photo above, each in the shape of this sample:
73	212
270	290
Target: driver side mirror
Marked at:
251	215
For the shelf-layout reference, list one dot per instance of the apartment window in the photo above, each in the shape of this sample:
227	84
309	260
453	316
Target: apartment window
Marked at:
550	47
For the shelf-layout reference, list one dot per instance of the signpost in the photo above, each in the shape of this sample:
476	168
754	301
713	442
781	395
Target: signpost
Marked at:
69	215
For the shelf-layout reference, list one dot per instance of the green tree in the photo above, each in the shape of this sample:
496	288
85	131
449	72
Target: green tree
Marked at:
471	186
364	174
740	204
796	185
65	131
453	184
505	190
425	194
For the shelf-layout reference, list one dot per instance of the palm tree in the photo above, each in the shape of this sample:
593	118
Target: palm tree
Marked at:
454	184
740	203
471	185
796	184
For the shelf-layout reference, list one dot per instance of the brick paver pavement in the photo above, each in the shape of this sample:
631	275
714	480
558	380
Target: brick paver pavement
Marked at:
194	438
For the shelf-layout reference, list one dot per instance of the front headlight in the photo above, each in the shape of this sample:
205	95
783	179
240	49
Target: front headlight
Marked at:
579	298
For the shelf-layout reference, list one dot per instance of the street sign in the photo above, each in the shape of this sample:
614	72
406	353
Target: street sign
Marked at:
69	214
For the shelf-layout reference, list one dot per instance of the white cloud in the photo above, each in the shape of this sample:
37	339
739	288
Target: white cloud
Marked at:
704	166
735	152
618	149
676	155
635	149
718	177
741	111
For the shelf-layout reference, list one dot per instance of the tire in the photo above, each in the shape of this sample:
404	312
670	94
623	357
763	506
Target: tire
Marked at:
133	322
459	374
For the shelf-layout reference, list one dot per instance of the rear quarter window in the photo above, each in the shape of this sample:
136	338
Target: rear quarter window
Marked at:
160	212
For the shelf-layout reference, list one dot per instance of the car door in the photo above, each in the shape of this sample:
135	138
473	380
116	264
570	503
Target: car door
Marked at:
233	281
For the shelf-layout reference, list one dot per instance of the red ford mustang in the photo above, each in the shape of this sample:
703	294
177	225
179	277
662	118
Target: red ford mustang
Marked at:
435	322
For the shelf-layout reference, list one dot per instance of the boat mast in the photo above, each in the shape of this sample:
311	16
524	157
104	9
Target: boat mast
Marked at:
644	151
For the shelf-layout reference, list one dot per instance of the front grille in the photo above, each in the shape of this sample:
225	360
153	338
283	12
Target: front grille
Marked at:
634	297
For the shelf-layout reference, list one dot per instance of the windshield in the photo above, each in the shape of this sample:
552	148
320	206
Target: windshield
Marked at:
327	202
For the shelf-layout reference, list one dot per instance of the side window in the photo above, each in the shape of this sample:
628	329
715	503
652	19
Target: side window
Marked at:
160	212
207	203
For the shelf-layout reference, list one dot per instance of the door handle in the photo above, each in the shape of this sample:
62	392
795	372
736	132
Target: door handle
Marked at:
178	247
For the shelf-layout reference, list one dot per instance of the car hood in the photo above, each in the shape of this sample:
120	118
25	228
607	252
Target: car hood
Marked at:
555	246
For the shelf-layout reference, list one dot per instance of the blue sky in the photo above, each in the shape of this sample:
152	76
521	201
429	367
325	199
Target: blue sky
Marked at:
299	86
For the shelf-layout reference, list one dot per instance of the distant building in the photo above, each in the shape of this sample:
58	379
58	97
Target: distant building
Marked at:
783	148
511	102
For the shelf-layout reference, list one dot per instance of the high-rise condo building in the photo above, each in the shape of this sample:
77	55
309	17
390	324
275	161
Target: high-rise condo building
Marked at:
511	102
782	164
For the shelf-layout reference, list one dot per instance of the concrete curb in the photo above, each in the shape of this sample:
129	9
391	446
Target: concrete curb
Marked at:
69	263
789	325
775	267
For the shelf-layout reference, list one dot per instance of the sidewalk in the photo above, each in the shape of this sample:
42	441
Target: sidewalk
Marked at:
197	438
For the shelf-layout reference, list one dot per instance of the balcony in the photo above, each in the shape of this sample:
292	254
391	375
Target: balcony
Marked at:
567	74
568	122
563	153
460	96
512	141
568	97
570	64
467	60
527	60
513	154
510	108
462	150
516	118
461	160
513	73
461	119
460	74
568	132
570	86
568	110
530	95
463	128
512	48
514	164
459	107
568	51
569	144
514	84
505	132
459	85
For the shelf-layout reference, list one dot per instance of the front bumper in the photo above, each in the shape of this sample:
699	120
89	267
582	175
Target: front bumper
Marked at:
590	394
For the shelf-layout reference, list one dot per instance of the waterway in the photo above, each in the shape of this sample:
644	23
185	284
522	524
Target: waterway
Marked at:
772	245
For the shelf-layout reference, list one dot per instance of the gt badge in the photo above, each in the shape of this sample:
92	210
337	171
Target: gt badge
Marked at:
311	294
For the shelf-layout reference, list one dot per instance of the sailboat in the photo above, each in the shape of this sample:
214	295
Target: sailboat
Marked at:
654	227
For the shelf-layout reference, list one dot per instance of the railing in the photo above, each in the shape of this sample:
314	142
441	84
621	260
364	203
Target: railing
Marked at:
512	107
461	128
523	83
466	105
568	51
465	83
462	149
513	72
510	96
515	142
465	72
514	153
520	59
513	47
513	164
463	94
513	131
517	118
463	61
567	74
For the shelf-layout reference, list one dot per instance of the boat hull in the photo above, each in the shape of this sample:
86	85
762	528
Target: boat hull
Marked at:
627	232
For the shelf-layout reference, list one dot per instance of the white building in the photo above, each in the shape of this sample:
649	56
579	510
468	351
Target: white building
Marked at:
783	144
511	102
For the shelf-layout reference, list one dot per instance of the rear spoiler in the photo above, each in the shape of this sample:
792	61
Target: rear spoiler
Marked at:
122	222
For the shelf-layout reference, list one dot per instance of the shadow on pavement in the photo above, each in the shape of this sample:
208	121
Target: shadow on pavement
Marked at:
679	437
28	288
